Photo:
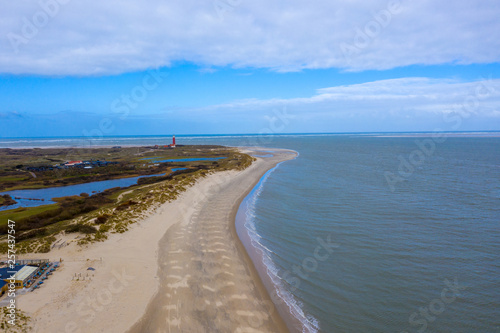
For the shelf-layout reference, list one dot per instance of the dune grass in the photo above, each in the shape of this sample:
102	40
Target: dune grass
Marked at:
94	218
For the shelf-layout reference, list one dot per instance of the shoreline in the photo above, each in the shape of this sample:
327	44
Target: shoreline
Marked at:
129	268
187	302
294	318
254	255
257	268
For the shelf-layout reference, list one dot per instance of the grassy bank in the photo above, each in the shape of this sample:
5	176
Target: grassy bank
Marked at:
41	168
94	217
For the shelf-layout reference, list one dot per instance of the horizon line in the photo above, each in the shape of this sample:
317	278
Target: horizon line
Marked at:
249	134
242	134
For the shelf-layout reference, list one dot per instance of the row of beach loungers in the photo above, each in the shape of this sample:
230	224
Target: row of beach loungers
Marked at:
44	272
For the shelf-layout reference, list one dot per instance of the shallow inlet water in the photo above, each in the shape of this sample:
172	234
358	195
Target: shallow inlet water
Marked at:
190	159
46	194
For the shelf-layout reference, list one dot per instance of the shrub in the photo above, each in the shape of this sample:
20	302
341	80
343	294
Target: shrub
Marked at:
103	228
102	219
126	204
31	234
7	200
70	208
83	228
88	207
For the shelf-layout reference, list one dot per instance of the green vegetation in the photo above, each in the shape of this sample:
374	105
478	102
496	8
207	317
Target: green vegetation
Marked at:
6	200
22	212
21	323
68	208
102	219
15	164
83	228
113	210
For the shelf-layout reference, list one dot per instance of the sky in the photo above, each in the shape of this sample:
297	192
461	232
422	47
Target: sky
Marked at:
105	68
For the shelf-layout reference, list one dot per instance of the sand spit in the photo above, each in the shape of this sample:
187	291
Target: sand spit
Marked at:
208	283
182	269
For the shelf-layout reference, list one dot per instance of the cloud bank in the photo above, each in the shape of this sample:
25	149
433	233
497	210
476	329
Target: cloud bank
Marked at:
409	104
77	37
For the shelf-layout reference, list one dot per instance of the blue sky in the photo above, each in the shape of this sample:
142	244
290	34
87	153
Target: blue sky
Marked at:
73	68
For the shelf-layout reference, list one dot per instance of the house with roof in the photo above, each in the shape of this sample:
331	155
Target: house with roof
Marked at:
21	275
73	163
3	287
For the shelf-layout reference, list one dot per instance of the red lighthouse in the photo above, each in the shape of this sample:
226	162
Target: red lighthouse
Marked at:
173	141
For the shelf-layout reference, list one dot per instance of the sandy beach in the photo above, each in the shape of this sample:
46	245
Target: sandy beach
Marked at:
181	269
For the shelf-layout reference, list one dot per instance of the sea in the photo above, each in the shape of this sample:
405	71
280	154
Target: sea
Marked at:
371	232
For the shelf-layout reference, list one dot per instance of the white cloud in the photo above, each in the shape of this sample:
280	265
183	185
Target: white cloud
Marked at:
89	37
408	104
414	93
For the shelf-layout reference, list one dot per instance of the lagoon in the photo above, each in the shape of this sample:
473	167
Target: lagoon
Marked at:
185	159
43	196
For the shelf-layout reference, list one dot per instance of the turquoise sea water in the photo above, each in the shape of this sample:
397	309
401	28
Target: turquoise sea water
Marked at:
363	233
393	253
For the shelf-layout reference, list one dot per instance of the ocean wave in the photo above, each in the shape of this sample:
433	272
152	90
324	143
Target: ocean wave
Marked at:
308	322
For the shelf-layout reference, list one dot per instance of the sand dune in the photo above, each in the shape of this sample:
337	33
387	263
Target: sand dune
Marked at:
182	269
